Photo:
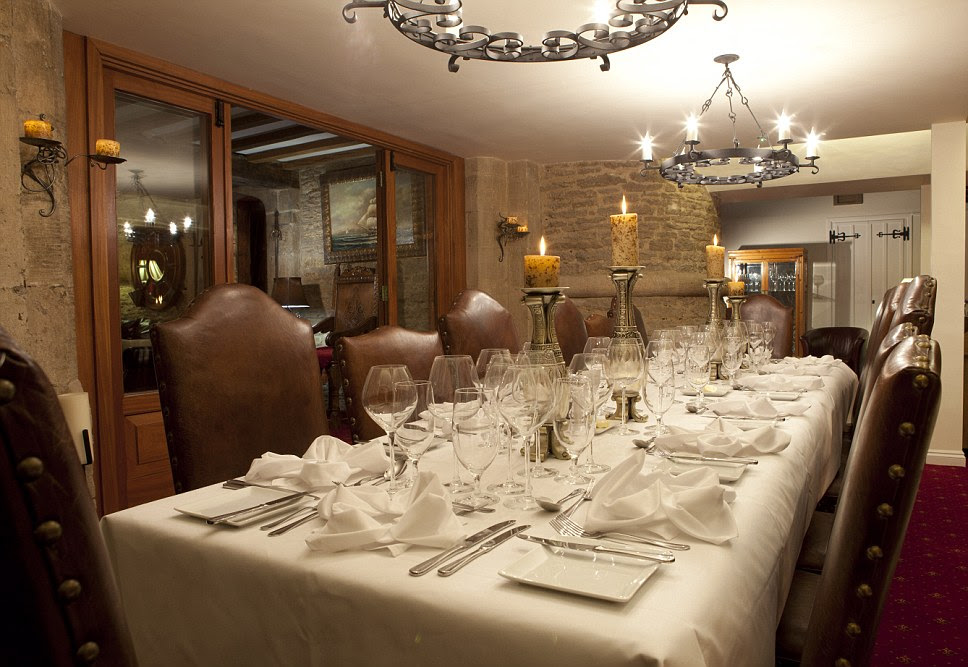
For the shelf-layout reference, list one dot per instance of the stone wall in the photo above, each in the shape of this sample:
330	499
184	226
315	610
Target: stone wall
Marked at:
36	279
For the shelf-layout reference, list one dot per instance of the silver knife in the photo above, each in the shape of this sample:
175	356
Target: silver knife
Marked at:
453	566
269	503
711	459
658	556
431	563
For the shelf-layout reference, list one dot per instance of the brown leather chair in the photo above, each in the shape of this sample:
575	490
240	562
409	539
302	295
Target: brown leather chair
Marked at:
384	345
765	308
598	324
237	376
58	594
883	317
917	304
831	618
569	329
844	343
476	321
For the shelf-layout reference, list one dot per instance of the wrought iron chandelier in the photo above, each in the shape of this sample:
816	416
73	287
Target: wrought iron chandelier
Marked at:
768	161
439	25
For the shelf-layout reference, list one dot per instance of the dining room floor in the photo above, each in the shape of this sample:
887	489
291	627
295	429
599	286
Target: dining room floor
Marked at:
925	620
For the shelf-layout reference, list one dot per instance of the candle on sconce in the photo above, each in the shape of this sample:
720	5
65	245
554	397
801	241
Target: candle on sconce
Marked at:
107	148
647	148
736	286
783	128
813	143
715	256
625	237
38	128
692	129
542	270
523	229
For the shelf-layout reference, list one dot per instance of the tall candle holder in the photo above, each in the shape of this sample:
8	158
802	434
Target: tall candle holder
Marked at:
735	305
542	303
714	288
624	278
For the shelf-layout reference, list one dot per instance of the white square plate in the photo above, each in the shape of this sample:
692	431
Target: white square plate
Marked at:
601	576
230	501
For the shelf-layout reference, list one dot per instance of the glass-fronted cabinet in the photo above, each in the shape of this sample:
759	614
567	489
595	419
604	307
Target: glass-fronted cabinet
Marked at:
777	272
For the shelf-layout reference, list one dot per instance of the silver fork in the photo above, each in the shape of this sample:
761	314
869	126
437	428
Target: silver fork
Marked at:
565	525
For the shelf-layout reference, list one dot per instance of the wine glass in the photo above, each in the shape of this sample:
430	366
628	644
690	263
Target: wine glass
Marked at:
624	369
448	373
525	399
491	384
733	348
592	365
769	334
757	346
659	385
475	441
388	407
597	344
574	422
416	433
697	368
487	355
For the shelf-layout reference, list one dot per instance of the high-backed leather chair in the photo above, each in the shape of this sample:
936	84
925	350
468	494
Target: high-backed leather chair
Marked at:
832	618
237	376
917	304
570	329
384	345
883	317
598	324
765	308
844	343
477	321
58	596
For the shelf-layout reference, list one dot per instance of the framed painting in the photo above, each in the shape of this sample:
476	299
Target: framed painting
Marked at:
349	202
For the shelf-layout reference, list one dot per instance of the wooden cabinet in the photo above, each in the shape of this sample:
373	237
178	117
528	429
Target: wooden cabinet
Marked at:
778	272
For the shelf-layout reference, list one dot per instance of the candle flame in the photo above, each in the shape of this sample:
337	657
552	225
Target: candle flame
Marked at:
715	239
624	205
541	246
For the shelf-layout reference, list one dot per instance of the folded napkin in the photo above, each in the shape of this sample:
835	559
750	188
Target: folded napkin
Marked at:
367	517
825	365
720	438
638	499
328	461
779	382
760	408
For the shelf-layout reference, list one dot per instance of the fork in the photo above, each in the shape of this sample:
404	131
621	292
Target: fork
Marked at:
565	525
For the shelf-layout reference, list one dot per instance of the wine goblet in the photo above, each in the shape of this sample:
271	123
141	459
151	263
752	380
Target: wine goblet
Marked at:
733	348
697	369
416	433
624	369
388	407
592	365
475	441
597	344
574	422
491	384
659	384
448	373
487	355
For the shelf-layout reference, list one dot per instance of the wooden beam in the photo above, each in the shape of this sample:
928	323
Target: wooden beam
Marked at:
301	149
250	119
329	158
285	134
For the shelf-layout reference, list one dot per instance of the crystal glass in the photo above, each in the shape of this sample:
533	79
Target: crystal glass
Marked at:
697	368
624	369
659	384
475	441
574	421
490	385
592	365
597	344
733	349
416	433
546	358
758	351
769	334
448	373
487	355
388	406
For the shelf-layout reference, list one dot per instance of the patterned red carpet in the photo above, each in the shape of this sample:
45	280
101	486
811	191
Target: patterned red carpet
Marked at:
925	620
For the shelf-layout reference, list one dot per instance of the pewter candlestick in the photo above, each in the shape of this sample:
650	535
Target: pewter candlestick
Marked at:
624	278
542	302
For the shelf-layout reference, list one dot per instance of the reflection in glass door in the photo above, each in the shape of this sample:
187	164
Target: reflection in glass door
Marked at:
414	226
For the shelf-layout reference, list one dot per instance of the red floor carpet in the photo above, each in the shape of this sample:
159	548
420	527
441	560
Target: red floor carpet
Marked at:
925	620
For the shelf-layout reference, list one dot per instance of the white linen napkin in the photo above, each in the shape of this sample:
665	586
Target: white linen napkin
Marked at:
720	438
327	462
779	382
759	408
367	517
821	366
638	499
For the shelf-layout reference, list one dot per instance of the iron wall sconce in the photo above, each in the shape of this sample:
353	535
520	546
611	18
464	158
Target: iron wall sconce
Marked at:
509	230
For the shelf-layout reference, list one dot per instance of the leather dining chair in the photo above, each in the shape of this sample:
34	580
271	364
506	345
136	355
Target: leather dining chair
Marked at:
477	321
570	329
237	376
384	345
844	343
883	317
917	303
831	618
765	308
58	596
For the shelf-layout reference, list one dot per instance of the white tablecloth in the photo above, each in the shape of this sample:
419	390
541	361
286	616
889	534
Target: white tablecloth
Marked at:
202	595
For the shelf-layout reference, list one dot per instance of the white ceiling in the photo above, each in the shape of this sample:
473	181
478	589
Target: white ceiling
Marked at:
849	69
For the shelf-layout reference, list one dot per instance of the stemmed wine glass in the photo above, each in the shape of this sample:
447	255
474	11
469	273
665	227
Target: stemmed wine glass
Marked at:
659	384
624	369
592	365
733	347
697	368
597	344
574	421
475	441
490	384
542	357
448	373
416	433
389	406
769	334
487	355
757	346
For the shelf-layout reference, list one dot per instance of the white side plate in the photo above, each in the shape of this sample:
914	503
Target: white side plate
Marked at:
230	501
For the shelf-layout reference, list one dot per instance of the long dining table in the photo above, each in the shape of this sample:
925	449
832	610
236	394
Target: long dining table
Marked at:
197	594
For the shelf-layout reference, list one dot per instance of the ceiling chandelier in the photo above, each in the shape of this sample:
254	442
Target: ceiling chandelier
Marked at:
768	161
439	25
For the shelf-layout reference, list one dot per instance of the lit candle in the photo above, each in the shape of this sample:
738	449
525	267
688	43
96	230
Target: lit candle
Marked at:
692	129
647	148
813	142
523	229
715	255
783	128
37	128
736	287
625	237
541	270
107	147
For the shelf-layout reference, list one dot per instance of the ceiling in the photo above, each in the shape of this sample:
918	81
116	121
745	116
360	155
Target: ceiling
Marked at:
848	69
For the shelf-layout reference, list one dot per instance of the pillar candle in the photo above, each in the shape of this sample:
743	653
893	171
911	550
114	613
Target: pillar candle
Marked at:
541	270
735	288
107	147
715	256
625	238
37	129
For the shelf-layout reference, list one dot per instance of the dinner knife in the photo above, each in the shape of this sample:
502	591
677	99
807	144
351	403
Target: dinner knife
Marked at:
711	459
452	567
292	497
658	556
476	538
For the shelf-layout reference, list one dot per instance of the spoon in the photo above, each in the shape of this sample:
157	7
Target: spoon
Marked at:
647	445
552	506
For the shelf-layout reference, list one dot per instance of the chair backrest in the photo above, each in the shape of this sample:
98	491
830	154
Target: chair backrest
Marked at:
844	343
598	324
879	358
570	329
58	594
237	376
881	325
356	296
765	308
917	304
881	481
477	321
355	356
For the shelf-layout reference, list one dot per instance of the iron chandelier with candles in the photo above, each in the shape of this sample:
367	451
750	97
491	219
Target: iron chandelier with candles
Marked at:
769	161
439	25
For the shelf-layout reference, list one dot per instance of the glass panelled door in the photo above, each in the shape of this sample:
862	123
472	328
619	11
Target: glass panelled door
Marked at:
414	211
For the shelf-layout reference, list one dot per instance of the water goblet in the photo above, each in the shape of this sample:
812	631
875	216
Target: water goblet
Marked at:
592	365
624	369
475	442
697	369
389	407
491	384
574	422
416	433
448	373
733	349
487	355
659	386
597	344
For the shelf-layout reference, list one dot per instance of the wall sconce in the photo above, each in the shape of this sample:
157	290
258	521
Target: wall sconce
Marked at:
50	152
508	230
